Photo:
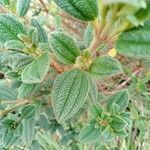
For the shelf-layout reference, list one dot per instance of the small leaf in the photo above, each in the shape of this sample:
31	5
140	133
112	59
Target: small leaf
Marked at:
121	133
14	45
22	7
11	74
28	131
135	42
108	134
5	2
96	110
36	71
64	48
121	98
89	134
105	66
10	27
127	117
42	35
86	10
69	93
28	112
33	34
26	90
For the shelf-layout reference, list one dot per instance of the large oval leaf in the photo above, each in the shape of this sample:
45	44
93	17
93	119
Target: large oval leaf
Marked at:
64	48
135	42
69	93
36	71
10	27
86	10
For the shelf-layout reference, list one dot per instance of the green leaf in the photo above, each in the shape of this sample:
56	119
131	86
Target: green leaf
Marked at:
89	134
33	34
96	110
36	71
127	117
86	10
12	135
42	35
28	131
64	48
7	93
105	66
28	112
69	93
14	45
5	2
11	74
118	123
26	90
88	35
10	27
22	7
121	133
135	42
93	92
120	98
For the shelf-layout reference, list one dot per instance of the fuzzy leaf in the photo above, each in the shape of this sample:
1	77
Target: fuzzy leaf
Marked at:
105	66
64	48
10	27
69	93
42	35
5	2
121	98
86	10
96	110
135	42
89	134
36	71
22	7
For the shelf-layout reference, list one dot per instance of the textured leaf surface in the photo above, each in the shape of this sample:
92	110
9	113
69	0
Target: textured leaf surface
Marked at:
23	6
10	27
86	10
121	98
28	131
64	48
42	35
69	93
135	42
105	66
36	71
89	133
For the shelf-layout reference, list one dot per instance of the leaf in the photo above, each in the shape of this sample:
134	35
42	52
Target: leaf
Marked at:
42	35
22	7
121	133
33	34
93	92
10	27
88	35
7	93
127	117
118	123
28	131
28	112
86	10
5	2
14	45
135	42
12	135
120	98
69	93
96	110
27	90
105	66
64	48
89	134
36	71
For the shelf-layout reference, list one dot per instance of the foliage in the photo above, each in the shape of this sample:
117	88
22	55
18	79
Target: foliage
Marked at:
74	74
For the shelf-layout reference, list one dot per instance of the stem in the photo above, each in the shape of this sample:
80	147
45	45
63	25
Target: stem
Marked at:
19	104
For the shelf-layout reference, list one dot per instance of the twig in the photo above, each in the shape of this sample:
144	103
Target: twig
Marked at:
44	6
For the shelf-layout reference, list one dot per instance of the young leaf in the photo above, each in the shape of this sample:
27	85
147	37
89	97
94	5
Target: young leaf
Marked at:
89	134
28	131
96	110
69	93
64	48
105	66
26	90
22	7
121	133
10	27
42	35
121	98
36	71
135	42
28	112
86	10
